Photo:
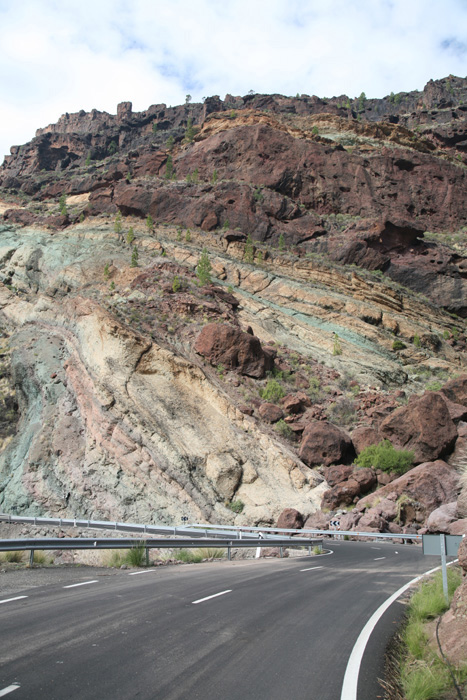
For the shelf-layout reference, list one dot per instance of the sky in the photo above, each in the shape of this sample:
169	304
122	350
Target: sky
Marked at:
60	56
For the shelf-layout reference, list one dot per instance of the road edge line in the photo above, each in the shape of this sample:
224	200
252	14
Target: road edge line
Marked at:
350	683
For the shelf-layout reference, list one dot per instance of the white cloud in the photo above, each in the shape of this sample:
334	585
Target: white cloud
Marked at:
62	56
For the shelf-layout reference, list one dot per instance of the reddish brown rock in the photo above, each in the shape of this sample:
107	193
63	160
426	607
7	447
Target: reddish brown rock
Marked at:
337	473
247	410
341	495
325	443
456	390
349	521
292	404
224	344
290	519
423	488
366	477
270	412
372	520
317	521
441	519
452	627
364	436
458	527
423	426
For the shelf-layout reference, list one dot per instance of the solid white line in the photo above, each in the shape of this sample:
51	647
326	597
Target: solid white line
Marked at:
379	558
9	600
349	686
201	600
85	583
312	568
135	573
10	689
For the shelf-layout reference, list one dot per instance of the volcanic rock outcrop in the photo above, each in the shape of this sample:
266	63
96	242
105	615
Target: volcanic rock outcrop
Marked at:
335	230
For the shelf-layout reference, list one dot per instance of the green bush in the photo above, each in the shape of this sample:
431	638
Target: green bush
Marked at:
273	391
385	457
236	506
398	345
283	429
203	268
136	556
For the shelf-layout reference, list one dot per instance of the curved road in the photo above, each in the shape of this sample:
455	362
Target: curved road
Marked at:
257	630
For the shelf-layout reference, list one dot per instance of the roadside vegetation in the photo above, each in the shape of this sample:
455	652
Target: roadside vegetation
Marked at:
424	674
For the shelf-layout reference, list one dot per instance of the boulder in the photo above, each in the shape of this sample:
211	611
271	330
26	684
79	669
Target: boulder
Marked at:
440	519
290	519
317	521
292	404
452	627
364	436
223	344
456	390
325	443
270	412
349	521
372	520
462	554
423	426
366	477
337	473
341	495
458	527
225	473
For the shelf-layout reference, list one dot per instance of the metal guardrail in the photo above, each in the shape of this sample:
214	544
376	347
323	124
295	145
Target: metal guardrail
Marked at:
270	531
73	543
183	530
200	529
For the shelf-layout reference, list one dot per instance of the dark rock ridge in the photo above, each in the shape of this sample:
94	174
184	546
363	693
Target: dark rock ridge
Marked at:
275	166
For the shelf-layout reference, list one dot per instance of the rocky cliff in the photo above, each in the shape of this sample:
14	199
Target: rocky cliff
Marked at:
329	316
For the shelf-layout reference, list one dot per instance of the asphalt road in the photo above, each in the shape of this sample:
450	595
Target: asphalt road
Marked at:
280	628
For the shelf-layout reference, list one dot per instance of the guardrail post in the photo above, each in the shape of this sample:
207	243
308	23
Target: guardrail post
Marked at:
31	558
147	556
280	551
443	567
309	549
228	551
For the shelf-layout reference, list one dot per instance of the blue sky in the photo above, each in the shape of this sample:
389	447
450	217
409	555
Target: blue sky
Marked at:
60	56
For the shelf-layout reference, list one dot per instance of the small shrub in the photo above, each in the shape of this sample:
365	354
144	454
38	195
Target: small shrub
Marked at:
336	347
106	271
283	429
62	205
214	177
220	370
236	506
281	242
14	557
203	268
210	552
149	222
398	345
176	284
130	236
118	223
317	549
385	457
188	236
115	558
187	556
134	257
416	341
249	250
273	391
136	556
226	224
41	558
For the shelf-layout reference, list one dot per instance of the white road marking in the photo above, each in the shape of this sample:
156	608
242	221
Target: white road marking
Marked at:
201	600
10	689
379	558
313	568
146	571
85	583
9	600
376	548
349	686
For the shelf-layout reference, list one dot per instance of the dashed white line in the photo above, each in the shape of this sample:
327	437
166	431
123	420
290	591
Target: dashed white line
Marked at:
10	688
9	600
201	600
313	568
85	583
146	571
379	558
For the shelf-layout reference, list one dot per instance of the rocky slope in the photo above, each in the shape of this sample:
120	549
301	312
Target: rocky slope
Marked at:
134	388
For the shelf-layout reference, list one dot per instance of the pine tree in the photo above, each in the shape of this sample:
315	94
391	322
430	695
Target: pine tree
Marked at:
118	223
149	222
249	250
134	257
203	269
130	236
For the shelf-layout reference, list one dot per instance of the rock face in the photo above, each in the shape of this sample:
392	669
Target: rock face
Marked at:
129	390
225	345
424	426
